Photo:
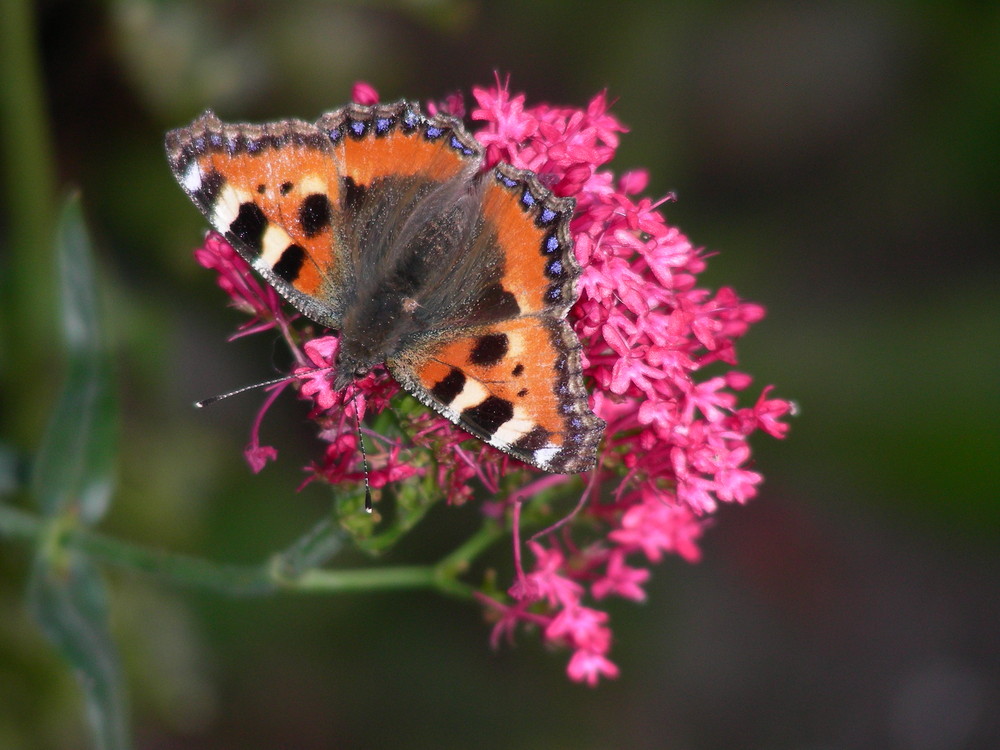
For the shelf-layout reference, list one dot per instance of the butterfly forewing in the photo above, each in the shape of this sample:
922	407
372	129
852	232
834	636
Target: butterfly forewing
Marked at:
274	193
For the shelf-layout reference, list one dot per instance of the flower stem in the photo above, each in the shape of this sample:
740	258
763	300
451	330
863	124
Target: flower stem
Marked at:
365	579
283	572
192	571
446	572
29	186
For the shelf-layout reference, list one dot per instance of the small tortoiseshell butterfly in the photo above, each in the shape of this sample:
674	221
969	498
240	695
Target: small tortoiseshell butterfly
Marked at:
376	221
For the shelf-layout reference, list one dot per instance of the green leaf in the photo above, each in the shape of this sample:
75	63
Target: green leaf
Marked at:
72	482
317	546
68	599
74	471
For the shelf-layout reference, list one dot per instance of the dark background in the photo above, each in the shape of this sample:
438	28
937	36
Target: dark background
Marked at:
840	157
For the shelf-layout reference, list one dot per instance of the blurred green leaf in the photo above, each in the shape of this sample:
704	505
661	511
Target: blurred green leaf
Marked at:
73	481
75	465
316	547
68	599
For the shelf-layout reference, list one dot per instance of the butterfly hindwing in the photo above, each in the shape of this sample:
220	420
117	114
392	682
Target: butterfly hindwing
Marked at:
516	384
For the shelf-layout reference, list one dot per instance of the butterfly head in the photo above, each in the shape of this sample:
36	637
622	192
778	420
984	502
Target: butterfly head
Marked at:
354	363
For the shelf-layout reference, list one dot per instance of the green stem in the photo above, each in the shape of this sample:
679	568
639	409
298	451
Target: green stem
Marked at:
458	561
243	580
29	182
235	579
238	580
366	579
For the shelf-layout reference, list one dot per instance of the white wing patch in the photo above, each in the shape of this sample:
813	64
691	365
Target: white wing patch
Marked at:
227	207
192	178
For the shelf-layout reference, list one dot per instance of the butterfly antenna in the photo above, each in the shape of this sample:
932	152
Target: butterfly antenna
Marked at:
364	463
212	399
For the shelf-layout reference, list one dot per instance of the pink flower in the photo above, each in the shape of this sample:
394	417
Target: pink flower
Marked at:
316	378
247	292
590	666
657	524
581	626
364	93
258	456
546	582
676	443
620	579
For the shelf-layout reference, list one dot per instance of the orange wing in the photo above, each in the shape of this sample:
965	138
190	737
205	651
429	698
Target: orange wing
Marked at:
312	206
515	384
273	191
280	192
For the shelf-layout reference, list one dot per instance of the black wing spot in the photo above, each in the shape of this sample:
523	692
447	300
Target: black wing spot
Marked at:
447	389
490	414
249	225
353	195
315	214
496	303
285	188
262	188
522	393
537	438
290	263
489	350
517	371
211	184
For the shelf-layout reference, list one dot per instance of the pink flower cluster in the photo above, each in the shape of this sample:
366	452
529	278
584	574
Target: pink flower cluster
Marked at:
674	447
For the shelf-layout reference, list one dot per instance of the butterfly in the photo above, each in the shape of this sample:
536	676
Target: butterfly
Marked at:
379	222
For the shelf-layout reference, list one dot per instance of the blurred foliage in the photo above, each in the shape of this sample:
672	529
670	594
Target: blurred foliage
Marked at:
841	159
73	479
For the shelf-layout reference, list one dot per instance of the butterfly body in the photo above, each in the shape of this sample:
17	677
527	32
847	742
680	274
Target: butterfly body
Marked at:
377	222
